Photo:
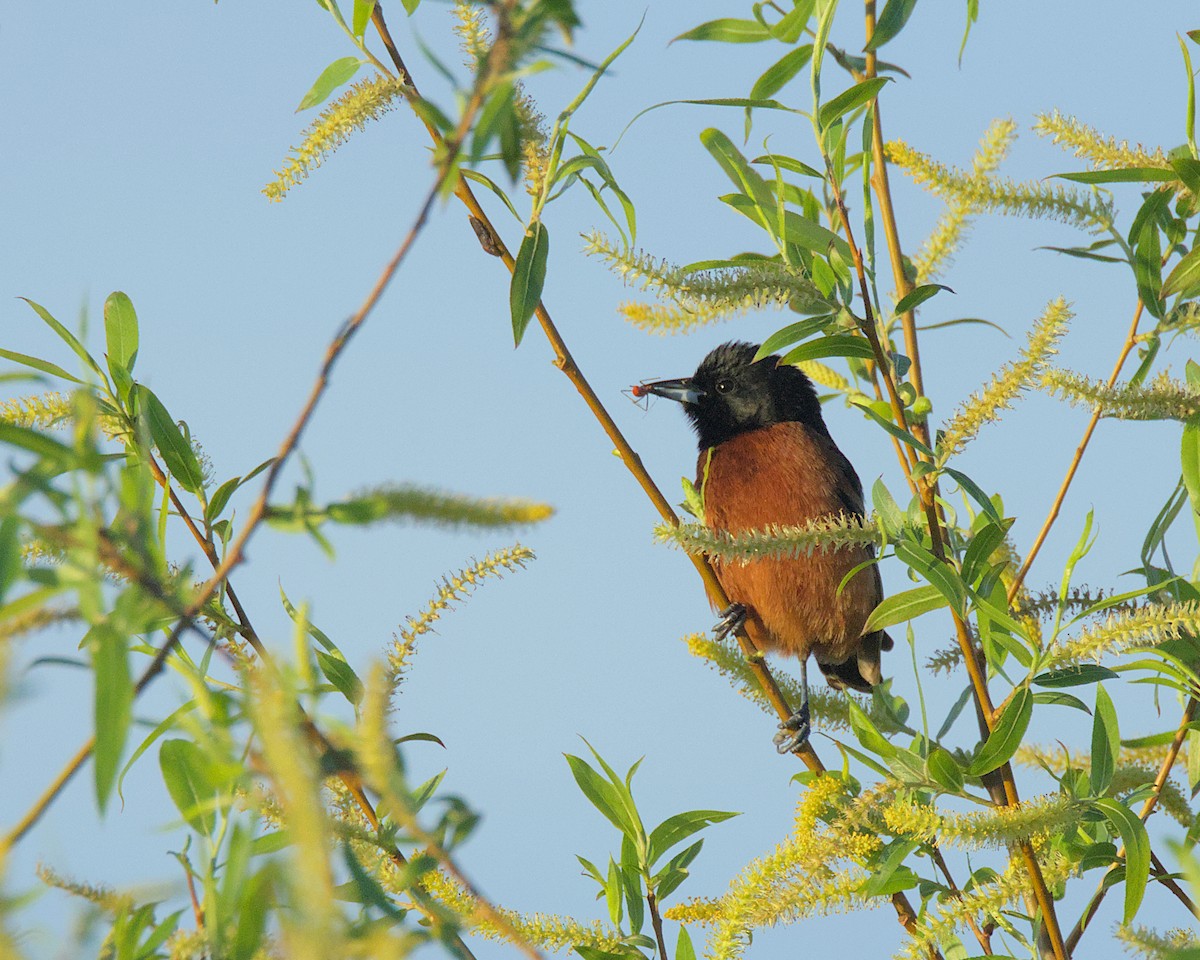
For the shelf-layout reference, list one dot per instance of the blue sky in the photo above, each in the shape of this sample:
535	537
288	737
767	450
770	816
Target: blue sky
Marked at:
140	135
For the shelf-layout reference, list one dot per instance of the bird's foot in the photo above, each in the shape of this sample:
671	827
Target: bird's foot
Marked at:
793	732
733	618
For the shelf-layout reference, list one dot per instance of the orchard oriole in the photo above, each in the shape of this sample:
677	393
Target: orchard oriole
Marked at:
766	458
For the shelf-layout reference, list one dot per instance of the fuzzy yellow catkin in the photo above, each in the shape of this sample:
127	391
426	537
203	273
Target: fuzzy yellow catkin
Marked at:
948	233
1008	382
454	588
545	930
1175	944
777	541
1160	399
993	194
1145	627
701	296
349	113
107	899
1087	143
310	930
1036	818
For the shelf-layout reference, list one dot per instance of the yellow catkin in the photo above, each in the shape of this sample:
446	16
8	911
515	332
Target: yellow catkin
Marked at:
353	110
948	233
1037	818
1175	944
1160	399
107	899
822	534
1007	384
1087	143
1146	627
454	588
993	194
548	931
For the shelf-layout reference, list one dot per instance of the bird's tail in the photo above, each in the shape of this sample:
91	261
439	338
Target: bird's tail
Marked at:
862	671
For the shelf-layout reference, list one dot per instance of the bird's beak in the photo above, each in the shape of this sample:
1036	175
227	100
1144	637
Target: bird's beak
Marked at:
682	390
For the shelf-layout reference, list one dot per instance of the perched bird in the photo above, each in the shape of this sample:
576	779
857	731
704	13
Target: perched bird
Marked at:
766	457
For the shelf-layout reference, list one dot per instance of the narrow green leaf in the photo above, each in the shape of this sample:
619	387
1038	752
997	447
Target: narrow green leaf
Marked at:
1189	450
1193	760
65	335
938	573
792	333
867	733
834	345
601	793
884	868
780	73
918	295
113	705
121	333
944	770
1188	170
898	432
972	489
36	442
1124	175
907	605
728	30
163	726
790	164
1056	698
847	100
1006	736
191	783
220	498
891	517
362	16
341	675
684	949
1137	852
410	6
332	77
176	452
44	365
983	544
1185	276
891	21
1106	741
678	828
529	276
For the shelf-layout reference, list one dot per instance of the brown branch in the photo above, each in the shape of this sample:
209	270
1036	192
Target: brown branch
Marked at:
985	941
656	922
1097	412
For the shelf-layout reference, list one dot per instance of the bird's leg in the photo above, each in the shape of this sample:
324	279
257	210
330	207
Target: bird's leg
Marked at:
793	732
733	618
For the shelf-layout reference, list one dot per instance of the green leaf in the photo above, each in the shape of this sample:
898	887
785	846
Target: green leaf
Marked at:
1057	698
1190	458
341	675
777	76
113	705
38	443
1137	852
918	295
65	335
944	770
973	489
847	100
1185	277
790	164
834	345
332	77
176	452
684	950
867	733
728	30
678	828
121	334
44	365
190	781
883	869
1074	676
907	605
362	15
163	726
895	15
940	574
1106	741
1006	736
887	511
529	275
1193	759
602	794
1124	175
220	498
983	544
898	432
410	6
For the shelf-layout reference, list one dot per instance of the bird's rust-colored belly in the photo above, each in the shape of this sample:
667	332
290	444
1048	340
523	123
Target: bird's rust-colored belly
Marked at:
784	474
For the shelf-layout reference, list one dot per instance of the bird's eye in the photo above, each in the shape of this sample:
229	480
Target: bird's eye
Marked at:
724	386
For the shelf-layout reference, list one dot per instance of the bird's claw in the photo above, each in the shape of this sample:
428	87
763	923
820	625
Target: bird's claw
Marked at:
733	618
793	732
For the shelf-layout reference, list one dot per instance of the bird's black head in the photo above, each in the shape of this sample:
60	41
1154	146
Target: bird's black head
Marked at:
730	394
